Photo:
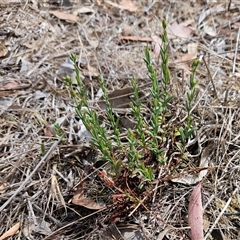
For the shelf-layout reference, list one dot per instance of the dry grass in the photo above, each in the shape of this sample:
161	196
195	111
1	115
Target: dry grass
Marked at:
35	187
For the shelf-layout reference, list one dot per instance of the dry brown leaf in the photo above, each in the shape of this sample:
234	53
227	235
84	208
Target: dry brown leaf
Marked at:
9	86
129	5
124	5
65	16
136	38
187	57
195	213
81	200
14	86
86	202
11	231
119	98
90	71
179	30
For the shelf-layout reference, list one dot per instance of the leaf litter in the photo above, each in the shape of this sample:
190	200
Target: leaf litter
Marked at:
39	172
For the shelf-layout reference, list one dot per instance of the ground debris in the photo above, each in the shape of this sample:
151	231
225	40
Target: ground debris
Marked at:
51	184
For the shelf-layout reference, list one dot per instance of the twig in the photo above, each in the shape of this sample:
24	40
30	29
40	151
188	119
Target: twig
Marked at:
139	204
33	70
229	5
74	222
55	221
32	212
70	136
236	50
156	187
30	175
210	76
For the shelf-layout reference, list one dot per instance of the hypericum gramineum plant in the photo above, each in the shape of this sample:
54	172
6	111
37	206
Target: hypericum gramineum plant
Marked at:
150	135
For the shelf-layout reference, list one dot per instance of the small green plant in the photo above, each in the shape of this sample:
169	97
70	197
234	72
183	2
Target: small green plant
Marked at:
100	139
149	139
112	121
135	106
58	130
161	98
187	130
43	150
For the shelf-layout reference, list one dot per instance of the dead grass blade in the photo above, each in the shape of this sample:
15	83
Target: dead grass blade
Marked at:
220	215
44	159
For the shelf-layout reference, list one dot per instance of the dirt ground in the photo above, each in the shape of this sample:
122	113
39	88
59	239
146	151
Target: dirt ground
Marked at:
41	175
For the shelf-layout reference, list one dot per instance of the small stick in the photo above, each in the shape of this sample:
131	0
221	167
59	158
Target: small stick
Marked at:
72	223
229	5
210	76
236	50
58	223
